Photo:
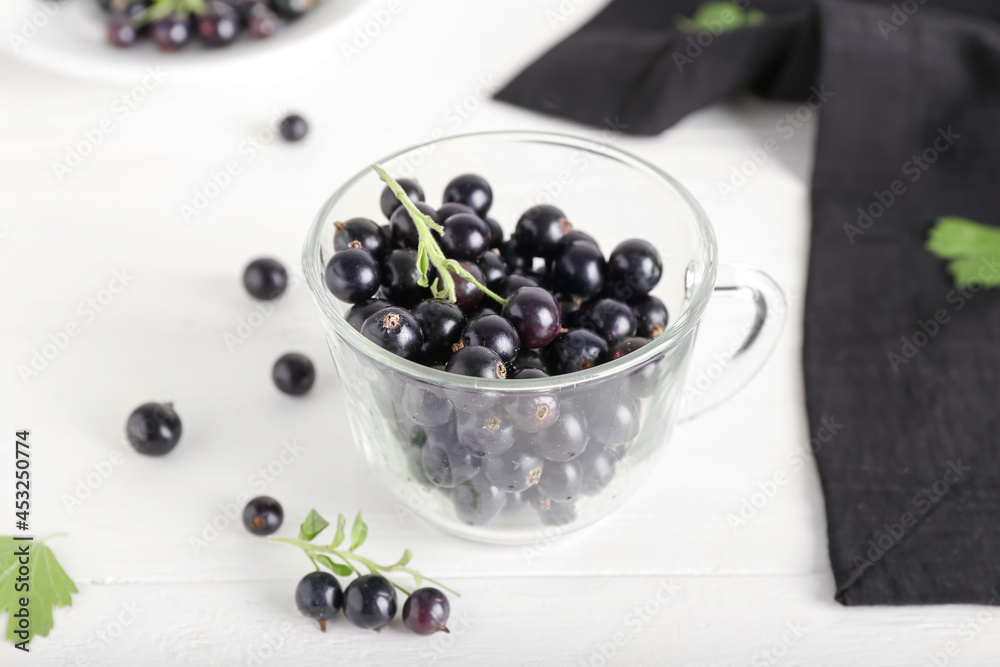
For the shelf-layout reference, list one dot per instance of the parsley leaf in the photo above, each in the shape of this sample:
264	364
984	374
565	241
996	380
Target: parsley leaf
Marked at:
48	586
972	250
720	17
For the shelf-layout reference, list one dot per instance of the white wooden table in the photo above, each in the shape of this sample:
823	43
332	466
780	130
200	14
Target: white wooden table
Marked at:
667	580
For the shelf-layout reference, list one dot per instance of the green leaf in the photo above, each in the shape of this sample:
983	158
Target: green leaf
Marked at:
48	586
423	265
358	532
405	558
338	537
312	526
336	568
719	17
953	238
979	270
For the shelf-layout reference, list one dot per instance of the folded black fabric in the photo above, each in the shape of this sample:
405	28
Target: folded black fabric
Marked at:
902	369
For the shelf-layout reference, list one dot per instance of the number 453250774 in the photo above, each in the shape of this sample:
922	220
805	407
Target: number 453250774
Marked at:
22	475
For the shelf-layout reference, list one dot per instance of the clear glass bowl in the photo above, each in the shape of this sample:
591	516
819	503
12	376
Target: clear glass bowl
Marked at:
412	422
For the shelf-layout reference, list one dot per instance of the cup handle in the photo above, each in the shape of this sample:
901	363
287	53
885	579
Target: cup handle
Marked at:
740	361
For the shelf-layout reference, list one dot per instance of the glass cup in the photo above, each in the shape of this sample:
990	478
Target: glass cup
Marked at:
504	461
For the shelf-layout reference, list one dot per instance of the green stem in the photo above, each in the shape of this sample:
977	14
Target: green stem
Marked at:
429	252
349	556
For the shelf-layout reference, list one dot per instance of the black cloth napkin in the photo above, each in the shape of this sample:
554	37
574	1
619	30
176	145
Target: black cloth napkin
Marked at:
902	370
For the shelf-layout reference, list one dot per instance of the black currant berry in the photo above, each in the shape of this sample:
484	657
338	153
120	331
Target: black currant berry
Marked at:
426	611
394	329
265	278
120	31
293	374
530	359
388	201
514	470
292	9
477	502
370	602
634	268
563	441
361	233
353	275
293	127
496	232
171	32
400	279
404	231
426	407
625	346
446	463
539	229
219	25
441	323
359	312
465	236
562	482
494	332
477	361
494	270
515	281
516	258
449	209
488	433
651	316
614	422
263	515
532	413
611	319
534	314
467	295
319	597
153	428
579	270
598	468
576	350
471	190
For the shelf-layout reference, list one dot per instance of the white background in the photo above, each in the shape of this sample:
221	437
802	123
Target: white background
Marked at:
759	593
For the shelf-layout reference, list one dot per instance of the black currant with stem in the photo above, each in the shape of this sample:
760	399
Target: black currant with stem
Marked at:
345	561
429	252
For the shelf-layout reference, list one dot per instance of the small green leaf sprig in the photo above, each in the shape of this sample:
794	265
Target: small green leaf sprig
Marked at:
323	555
162	8
429	252
970	248
720	16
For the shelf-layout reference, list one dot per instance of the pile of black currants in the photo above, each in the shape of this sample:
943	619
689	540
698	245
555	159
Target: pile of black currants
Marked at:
171	24
442	287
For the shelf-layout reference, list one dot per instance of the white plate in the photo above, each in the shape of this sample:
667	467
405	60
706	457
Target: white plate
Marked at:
69	37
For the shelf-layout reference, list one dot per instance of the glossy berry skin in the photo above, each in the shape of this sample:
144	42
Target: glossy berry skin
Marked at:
496	232
553	513
471	190
171	32
579	271
353	275
535	316
293	374
517	258
388	201
532	413
540	228
598	469
370	602
318	596
564	441
488	433
576	350
530	359
651	316
360	312
516	281
361	232
292	9
400	279
263	515
426	611
530	374
562	482
514	470
219	25
494	270
614	422
634	268
467	295
611	319
465	237
477	502
480	362
120	31
265	278
441	323
153	429
449	209
446	463
395	330
404	230
293	127
625	346
494	332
